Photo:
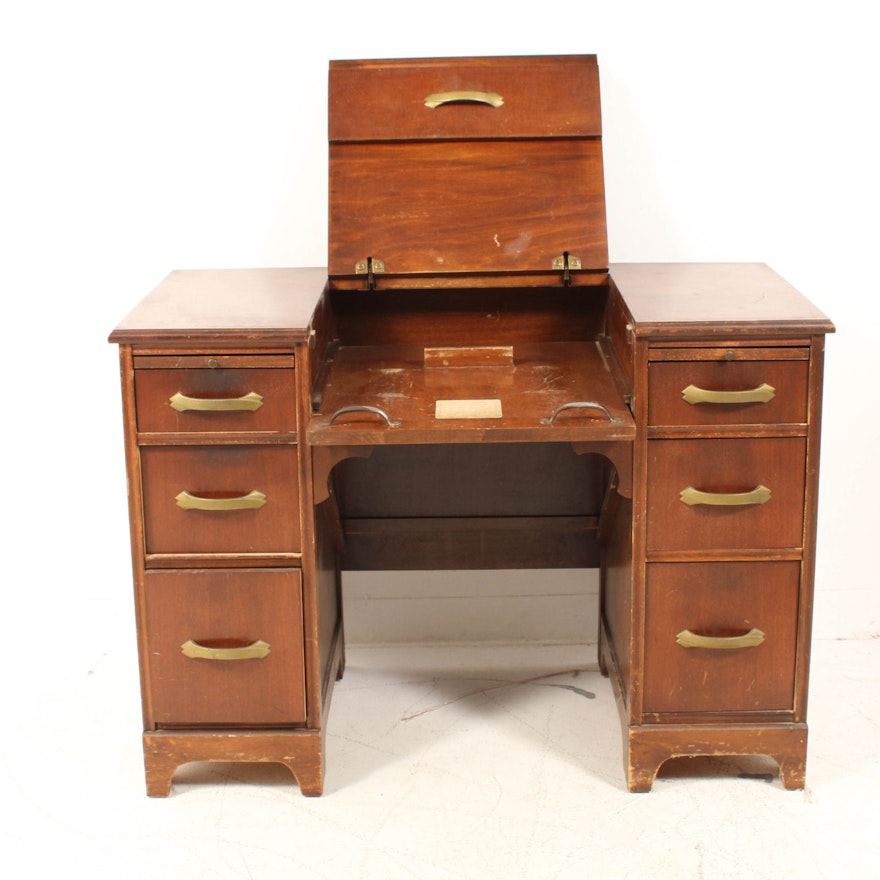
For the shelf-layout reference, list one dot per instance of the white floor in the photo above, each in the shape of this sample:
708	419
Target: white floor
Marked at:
443	762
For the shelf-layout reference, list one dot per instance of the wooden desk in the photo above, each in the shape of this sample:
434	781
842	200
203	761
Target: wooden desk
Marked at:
730	568
468	385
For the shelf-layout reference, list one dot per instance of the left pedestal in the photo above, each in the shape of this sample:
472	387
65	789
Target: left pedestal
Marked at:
226	615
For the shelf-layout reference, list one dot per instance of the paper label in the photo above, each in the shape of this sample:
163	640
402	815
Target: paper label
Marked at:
468	409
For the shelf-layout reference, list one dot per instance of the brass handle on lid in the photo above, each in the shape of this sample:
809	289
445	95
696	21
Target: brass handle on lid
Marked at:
463	97
762	394
254	651
252	501
250	401
581	404
692	496
751	639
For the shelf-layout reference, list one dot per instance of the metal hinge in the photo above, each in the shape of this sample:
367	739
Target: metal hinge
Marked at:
370	268
566	264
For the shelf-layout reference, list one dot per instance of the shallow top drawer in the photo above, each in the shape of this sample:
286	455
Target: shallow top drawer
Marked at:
463	98
729	387
215	399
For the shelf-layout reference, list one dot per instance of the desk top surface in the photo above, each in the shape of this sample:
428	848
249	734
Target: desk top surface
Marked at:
713	297
217	305
277	305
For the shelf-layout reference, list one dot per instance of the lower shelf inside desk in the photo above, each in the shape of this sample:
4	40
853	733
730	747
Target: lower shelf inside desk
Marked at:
472	505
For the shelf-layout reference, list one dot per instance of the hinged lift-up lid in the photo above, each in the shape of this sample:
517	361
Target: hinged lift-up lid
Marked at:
447	172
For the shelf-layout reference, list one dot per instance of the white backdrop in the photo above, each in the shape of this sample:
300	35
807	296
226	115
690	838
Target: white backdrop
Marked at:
143	137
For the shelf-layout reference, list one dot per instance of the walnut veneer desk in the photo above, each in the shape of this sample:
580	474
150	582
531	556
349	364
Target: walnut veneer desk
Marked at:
660	422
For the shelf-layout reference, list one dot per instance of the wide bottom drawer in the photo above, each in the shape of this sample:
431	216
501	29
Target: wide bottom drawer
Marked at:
721	637
225	648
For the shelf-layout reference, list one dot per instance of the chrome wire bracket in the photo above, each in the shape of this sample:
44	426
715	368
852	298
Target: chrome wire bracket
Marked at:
581	404
360	409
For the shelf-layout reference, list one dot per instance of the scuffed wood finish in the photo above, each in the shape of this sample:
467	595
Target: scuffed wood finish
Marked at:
483	316
468	206
301	751
384	100
730	370
466	189
157	386
725	599
475	543
710	300
650	747
226	578
225	609
718	466
217	472
239	307
500	207
543	378
716	571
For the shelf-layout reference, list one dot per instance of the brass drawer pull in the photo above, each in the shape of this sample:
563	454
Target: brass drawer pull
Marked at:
252	501
250	401
355	409
581	404
762	394
439	98
692	496
254	651
751	639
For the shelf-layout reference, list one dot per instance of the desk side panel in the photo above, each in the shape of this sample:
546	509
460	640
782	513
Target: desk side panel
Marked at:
322	606
617	575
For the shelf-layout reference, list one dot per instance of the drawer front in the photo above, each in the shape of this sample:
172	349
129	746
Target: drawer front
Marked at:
689	604
726	494
220	499
535	97
253	618
215	400
727	392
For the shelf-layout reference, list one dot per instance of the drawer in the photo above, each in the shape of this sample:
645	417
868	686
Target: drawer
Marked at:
225	647
539	97
218	400
722	391
220	499
726	494
697	614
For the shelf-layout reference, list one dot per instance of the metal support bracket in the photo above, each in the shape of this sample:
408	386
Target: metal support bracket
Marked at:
370	268
566	264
